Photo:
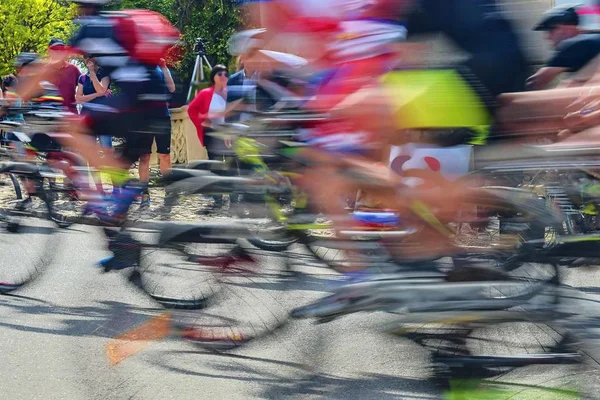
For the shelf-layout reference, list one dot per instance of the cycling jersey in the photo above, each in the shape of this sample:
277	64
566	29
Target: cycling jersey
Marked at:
97	39
138	104
356	39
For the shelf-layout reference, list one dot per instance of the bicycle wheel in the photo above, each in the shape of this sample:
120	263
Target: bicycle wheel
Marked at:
64	208
28	245
170	275
268	209
182	273
247	310
10	189
499	347
340	254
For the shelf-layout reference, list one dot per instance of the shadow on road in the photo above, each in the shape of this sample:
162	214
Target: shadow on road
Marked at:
107	319
279	379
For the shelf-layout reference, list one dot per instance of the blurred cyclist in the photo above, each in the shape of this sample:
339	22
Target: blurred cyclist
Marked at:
130	113
134	112
360	40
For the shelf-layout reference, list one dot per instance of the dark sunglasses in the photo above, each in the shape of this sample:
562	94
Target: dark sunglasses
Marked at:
223	74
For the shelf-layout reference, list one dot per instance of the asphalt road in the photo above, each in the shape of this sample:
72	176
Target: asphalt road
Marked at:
54	335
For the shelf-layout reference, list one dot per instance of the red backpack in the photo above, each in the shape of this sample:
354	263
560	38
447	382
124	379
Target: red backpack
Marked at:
146	35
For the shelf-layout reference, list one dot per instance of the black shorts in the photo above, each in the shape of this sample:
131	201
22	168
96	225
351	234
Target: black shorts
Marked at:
139	142
137	123
163	142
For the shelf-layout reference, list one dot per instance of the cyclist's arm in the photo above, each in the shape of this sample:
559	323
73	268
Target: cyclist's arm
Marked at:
543	77
30	87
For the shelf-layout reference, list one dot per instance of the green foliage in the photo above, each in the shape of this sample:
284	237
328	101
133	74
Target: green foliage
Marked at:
28	25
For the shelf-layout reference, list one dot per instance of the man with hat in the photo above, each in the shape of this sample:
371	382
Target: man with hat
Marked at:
66	77
573	48
243	84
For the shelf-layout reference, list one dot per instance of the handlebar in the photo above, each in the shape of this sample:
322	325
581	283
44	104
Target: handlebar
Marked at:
33	108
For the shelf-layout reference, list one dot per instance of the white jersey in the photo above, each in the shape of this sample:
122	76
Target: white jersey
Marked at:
358	38
338	9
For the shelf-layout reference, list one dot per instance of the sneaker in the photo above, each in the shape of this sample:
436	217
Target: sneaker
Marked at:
145	202
112	210
125	198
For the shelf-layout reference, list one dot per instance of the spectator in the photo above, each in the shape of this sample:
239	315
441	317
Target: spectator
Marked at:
9	85
574	48
209	108
92	88
67	77
243	84
163	140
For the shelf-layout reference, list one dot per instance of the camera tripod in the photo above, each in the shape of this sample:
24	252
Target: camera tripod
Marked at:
198	74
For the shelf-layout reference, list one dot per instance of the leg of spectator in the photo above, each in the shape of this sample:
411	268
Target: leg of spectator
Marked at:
165	163
86	146
144	168
209	144
98	175
163	148
145	152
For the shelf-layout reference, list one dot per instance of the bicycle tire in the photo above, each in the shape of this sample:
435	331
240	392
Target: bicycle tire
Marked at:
179	275
17	187
274	246
28	244
58	216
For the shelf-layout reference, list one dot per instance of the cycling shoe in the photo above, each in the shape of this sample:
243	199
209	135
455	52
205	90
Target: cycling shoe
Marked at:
112	263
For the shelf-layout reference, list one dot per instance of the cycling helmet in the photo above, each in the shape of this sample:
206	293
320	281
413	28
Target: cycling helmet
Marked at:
244	41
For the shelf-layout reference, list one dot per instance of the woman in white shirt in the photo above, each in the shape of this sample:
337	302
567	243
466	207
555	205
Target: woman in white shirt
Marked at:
208	108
